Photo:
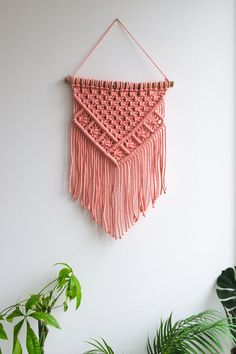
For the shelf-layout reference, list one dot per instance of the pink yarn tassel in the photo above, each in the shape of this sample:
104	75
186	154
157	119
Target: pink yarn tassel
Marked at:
116	196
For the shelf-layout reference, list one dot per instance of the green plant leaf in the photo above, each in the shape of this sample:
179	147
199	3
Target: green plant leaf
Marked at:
16	344
18	348
100	347
226	291
32	302
71	290
65	306
16	313
149	347
32	342
65	264
63	277
45	317
64	272
3	334
78	291
226	288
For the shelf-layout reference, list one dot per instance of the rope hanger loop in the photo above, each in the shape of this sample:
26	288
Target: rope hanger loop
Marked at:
170	83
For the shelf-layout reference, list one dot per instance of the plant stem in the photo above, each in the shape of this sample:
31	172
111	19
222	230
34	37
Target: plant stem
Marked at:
56	307
42	327
47	286
7	309
55	280
55	300
43	332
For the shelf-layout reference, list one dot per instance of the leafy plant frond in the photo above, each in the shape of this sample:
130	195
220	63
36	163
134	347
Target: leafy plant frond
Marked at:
99	347
201	333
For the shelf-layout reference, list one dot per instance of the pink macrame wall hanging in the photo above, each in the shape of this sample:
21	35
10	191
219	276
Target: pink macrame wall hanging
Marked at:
117	146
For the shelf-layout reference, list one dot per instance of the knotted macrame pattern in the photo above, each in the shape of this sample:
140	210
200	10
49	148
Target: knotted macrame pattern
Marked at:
118	149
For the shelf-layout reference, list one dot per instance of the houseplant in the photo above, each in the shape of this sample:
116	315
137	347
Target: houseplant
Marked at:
226	291
201	333
39	307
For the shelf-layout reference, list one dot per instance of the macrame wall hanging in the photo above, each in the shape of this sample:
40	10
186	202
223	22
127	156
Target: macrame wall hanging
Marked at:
117	146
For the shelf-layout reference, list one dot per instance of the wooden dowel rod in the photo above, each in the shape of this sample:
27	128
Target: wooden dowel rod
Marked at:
67	80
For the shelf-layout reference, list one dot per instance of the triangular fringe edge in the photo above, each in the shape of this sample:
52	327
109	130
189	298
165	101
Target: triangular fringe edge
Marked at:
116	196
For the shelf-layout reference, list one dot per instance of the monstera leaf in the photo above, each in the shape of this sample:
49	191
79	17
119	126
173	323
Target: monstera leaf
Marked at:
226	290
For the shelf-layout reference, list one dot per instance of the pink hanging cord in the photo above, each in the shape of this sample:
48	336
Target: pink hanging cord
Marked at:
138	44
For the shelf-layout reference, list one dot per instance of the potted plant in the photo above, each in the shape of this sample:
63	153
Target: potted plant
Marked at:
39	307
199	333
226	291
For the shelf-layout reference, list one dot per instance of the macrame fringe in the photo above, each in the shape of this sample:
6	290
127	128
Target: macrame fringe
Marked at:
116	196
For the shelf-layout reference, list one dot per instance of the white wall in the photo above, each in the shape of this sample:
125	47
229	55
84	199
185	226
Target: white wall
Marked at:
170	259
